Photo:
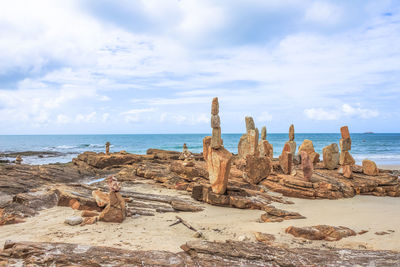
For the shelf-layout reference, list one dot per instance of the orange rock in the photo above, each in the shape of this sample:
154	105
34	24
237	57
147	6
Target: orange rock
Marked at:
306	146
331	156
256	169
89	213
347	171
266	149
286	161
89	220
218	165
215	106
115	210
346	158
73	203
102	199
321	232
345	132
369	167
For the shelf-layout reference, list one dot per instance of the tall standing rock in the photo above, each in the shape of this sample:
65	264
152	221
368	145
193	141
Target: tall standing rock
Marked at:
216	141
291	132
108	148
286	159
217	158
345	159
249	124
263	133
330	156
306	165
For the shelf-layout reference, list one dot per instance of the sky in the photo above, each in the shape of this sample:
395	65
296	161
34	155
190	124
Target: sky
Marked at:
153	66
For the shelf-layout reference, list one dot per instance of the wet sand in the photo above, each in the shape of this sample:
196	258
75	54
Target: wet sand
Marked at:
374	214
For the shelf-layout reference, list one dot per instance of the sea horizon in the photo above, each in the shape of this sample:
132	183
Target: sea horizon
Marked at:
383	148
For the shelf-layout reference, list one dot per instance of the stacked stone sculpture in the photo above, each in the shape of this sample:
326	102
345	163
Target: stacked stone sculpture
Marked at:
345	159
108	148
217	158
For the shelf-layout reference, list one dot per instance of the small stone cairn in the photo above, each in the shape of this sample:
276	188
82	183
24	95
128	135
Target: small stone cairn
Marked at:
115	210
108	148
186	156
345	159
217	158
18	159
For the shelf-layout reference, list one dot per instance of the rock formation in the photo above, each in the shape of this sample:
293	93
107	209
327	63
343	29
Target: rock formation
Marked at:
369	167
345	159
330	156
186	156
218	159
256	169
108	148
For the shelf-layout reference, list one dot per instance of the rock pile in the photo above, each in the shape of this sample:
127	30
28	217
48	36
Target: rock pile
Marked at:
18	159
345	159
187	156
217	158
115	209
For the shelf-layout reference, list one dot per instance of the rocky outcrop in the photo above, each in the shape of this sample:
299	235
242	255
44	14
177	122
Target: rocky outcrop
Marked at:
195	253
369	167
330	156
321	232
101	160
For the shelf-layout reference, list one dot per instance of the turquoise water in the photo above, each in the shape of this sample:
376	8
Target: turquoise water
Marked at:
382	148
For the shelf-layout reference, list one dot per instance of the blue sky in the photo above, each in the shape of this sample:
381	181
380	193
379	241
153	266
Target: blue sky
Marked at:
99	66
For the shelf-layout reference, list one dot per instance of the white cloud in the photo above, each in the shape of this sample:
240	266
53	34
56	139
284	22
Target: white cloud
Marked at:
344	111
264	117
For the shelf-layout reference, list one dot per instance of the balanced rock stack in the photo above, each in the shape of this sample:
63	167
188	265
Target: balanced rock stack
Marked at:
266	149
345	159
217	158
256	166
186	156
18	159
288	153
115	210
330	156
308	158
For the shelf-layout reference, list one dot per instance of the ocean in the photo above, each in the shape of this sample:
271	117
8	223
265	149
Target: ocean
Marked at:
383	148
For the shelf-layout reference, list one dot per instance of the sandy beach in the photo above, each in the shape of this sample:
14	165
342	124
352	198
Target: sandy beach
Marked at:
374	214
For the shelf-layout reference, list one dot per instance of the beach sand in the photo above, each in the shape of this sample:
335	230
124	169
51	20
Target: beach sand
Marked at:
374	214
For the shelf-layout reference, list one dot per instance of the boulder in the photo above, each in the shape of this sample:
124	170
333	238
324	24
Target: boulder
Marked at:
256	169
345	144
346	158
115	211
248	144
215	121
218	165
306	165
369	167
307	146
344	131
292	145
215	106
321	232
216	141
331	156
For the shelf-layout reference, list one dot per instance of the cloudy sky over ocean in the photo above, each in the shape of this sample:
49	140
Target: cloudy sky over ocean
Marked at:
80	66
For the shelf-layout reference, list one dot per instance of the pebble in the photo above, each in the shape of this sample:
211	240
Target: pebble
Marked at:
75	220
